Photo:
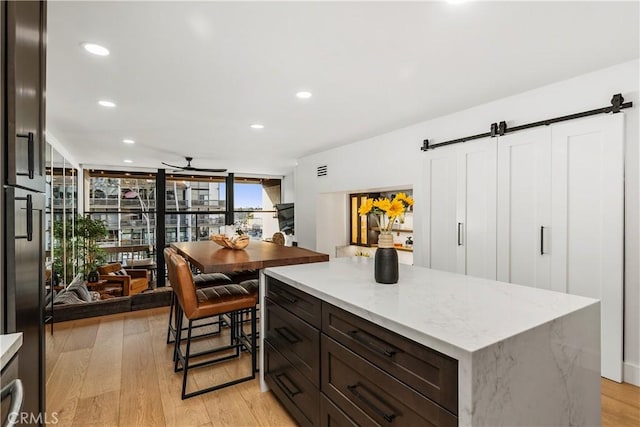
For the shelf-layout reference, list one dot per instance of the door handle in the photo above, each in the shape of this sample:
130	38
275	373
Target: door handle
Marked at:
373	343
29	235
16	391
389	417
541	240
285	295
30	152
287	388
289	336
459	234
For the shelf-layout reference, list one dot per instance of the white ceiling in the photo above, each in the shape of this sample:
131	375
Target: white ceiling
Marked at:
189	78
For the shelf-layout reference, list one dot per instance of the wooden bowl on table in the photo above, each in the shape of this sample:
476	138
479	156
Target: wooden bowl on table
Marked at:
236	242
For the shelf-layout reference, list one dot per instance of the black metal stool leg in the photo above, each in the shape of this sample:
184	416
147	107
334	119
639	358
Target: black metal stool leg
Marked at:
185	365
178	339
171	329
254	347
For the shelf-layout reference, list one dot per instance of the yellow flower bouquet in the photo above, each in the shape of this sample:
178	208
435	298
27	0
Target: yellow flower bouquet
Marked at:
386	211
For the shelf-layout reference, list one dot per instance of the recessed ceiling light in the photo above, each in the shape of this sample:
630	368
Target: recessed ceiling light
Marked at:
257	126
304	95
128	141
107	104
128	161
95	49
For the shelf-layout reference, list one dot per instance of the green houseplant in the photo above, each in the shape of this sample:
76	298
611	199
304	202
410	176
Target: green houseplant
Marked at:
76	246
89	232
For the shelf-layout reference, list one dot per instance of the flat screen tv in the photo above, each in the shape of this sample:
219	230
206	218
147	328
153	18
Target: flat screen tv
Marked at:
285	217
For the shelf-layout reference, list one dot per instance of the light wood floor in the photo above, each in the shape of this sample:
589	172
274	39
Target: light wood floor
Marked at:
117	371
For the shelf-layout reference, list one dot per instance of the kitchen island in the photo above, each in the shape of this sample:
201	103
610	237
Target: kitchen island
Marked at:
437	348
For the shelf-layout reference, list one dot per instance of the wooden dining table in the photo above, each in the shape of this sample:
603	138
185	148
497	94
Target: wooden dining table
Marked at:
209	257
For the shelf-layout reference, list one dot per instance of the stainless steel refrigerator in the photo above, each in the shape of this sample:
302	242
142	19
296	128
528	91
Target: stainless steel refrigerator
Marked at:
22	122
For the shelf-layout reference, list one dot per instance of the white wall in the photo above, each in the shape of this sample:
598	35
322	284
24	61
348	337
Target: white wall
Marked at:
288	188
394	159
331	222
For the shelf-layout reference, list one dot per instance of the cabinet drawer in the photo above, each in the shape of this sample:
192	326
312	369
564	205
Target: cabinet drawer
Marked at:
370	396
292	389
301	304
298	341
332	416
427	371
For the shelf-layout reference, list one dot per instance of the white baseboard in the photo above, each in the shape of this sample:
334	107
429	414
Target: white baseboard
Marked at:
631	374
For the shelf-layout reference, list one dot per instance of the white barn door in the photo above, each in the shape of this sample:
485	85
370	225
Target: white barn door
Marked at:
524	211
476	208
440	208
587	205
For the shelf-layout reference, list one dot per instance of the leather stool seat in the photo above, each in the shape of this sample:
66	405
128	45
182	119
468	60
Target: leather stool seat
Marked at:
240	276
250	286
211	279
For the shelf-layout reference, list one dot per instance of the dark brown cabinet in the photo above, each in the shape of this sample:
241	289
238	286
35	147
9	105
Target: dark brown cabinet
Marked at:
293	389
332	416
425	370
298	341
329	367
24	61
292	350
22	121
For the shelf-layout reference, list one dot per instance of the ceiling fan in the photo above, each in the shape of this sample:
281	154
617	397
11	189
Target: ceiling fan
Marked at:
188	167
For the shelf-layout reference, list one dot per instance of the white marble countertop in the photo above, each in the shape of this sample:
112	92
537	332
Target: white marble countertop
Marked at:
452	313
9	346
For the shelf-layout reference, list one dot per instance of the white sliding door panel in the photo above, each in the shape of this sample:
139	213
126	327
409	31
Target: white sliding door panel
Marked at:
476	208
524	216
588	222
440	188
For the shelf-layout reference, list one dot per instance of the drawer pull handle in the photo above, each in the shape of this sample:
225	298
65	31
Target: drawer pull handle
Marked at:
354	390
289	336
374	343
30	152
286	296
287	388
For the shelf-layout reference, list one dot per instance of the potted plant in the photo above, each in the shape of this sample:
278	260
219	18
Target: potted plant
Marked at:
79	248
63	251
89	232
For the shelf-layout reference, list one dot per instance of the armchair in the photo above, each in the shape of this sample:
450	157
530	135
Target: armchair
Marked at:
132	281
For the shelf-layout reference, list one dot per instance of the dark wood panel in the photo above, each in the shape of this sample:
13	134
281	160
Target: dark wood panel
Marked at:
209	257
298	341
332	416
292	389
370	396
299	303
25	58
431	373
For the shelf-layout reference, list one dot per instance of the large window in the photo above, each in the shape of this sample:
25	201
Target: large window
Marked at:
195	207
254	206
126	203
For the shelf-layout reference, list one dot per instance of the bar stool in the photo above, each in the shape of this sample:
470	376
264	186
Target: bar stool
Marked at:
200	280
196	304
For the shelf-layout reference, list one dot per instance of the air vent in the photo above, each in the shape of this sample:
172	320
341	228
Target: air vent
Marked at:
322	170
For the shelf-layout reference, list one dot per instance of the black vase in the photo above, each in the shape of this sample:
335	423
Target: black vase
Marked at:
386	266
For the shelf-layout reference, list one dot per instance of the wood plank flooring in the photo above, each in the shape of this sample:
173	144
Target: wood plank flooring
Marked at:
117	370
